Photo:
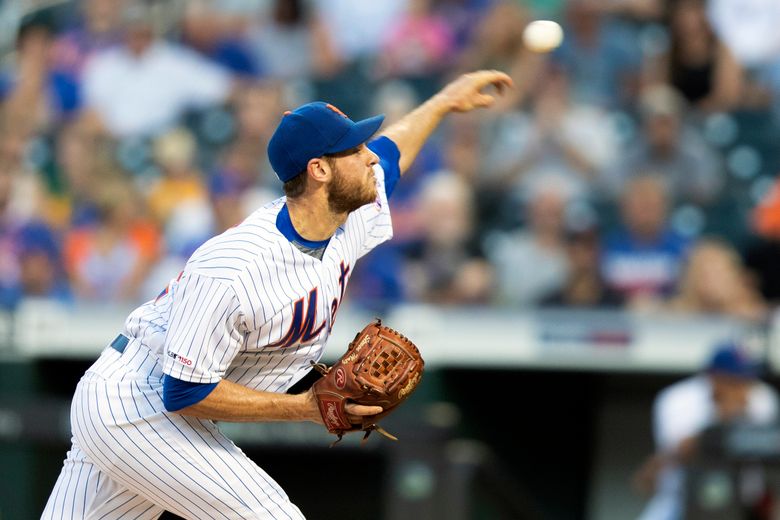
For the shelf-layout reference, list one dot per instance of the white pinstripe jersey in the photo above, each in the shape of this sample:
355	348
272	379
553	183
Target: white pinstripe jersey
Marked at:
250	307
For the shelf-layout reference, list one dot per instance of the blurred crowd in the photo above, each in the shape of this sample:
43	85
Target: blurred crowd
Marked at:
633	167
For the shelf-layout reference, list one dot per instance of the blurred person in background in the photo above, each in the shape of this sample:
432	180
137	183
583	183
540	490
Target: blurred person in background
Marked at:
27	244
83	162
715	282
40	271
667	146
347	41
108	261
205	29
584	287
763	252
530	264
697	64
287	43
97	28
748	28
643	257
727	391
496	41
256	109
181	182
601	59
418	48
557	136
445	266
143	86
25	108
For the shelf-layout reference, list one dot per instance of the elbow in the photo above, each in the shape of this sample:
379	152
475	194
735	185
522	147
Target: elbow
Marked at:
178	395
171	402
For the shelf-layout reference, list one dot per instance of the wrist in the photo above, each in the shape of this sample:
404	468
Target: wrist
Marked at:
310	407
441	104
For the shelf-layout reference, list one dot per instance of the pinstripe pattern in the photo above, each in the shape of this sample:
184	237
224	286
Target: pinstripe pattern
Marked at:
248	307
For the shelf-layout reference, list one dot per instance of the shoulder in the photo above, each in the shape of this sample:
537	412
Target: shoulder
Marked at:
763	402
691	391
675	241
237	250
107	58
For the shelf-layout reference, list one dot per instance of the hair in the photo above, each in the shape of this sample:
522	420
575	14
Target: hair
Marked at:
295	186
746	300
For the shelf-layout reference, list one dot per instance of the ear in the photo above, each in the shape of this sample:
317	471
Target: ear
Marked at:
319	170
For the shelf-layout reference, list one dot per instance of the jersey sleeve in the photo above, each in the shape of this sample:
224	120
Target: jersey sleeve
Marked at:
204	331
389	155
371	225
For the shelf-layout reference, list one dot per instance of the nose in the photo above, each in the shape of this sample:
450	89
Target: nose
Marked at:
372	157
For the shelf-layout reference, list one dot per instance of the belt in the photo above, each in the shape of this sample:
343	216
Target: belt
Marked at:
120	343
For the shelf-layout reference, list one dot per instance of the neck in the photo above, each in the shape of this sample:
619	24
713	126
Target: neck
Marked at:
312	218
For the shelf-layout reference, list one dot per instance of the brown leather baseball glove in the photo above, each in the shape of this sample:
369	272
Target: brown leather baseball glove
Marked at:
380	368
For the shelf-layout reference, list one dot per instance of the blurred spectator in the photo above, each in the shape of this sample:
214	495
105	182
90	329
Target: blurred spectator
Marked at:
497	43
25	107
109	261
39	267
643	258
377	282
354	26
27	245
284	42
584	287
97	30
702	69
763	253
601	58
748	28
560	137
497	38
690	169
257	111
181	182
715	281
726	392
421	44
530	264
444	266
83	164
145	85
226	201
205	29
348	38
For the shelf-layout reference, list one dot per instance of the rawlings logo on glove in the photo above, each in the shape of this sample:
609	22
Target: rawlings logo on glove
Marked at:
380	368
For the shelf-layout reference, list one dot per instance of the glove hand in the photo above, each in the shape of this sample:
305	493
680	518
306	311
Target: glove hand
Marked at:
380	369
355	411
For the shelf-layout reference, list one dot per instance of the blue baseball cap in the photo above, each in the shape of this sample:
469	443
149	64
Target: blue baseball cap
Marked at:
313	130
730	359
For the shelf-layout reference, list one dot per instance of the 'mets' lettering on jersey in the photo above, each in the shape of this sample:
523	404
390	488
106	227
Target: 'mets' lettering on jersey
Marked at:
304	315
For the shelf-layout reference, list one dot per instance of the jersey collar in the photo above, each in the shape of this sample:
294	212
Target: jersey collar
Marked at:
285	227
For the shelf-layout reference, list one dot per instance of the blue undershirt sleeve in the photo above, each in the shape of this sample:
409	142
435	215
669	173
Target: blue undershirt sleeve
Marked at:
389	155
178	394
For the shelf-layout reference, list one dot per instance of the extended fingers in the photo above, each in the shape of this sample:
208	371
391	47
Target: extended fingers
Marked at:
362	409
494	77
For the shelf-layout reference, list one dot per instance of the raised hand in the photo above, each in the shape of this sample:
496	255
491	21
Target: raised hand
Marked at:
466	92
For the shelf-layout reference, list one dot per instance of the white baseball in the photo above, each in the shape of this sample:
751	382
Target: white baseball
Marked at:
542	35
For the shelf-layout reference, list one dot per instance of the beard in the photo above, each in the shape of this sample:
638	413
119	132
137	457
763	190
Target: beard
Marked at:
346	196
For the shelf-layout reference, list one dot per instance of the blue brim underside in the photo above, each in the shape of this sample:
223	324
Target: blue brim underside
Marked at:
358	134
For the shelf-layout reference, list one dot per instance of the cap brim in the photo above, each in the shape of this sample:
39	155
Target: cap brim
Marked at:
358	134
